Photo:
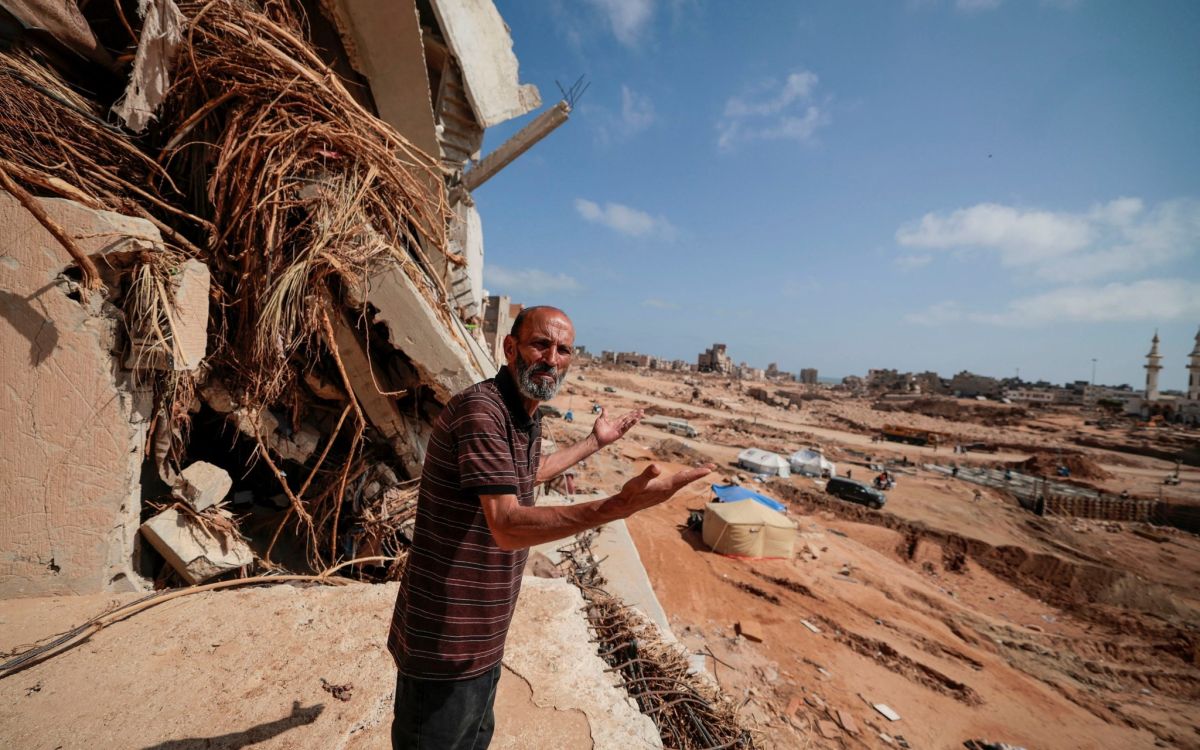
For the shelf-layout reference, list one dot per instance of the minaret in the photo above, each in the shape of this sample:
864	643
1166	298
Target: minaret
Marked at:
1153	366
1194	371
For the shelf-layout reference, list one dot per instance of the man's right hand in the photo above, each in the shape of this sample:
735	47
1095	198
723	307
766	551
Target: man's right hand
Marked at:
651	488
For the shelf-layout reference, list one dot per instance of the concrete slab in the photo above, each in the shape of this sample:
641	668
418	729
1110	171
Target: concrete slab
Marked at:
74	423
480	41
549	650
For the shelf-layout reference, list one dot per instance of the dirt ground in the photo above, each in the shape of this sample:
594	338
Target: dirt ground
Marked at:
972	619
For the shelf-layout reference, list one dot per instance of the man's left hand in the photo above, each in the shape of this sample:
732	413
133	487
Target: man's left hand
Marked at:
609	431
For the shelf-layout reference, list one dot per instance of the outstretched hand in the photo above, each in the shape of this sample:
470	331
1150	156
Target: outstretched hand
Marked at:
608	431
651	488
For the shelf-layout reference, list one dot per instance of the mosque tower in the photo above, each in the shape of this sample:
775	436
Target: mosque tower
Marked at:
1194	371
1153	366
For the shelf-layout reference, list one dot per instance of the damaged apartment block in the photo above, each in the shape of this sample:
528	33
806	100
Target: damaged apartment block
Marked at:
242	272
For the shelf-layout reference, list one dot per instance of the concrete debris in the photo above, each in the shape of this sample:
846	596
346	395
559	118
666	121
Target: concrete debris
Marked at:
290	445
202	485
751	630
195	553
846	721
480	41
810	626
887	711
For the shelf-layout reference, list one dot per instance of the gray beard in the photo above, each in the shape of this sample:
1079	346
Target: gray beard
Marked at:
531	389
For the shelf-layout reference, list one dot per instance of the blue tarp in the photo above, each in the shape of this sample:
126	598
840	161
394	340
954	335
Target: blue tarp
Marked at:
732	493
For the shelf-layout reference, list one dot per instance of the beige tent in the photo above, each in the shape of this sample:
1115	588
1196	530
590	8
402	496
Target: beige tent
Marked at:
748	529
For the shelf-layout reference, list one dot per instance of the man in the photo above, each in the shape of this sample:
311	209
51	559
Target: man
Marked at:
476	520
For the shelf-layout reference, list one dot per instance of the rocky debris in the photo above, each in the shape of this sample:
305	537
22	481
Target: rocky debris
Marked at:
202	485
191	549
751	630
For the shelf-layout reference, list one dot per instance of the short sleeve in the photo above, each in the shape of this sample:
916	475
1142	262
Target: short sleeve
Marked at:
485	462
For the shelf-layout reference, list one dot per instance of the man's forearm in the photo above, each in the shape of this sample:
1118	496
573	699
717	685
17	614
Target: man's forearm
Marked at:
516	526
559	461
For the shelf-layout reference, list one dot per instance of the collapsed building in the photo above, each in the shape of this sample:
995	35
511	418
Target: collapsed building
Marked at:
241	273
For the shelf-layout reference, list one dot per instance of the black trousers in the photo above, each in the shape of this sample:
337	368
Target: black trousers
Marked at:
437	715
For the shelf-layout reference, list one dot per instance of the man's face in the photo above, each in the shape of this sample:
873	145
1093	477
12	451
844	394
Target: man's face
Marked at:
540	355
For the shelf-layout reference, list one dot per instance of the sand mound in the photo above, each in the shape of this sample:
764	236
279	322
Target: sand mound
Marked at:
678	452
1046	464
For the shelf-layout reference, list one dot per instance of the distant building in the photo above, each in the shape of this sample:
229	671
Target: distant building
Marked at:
930	383
714	359
608	358
808	376
498	314
889	381
633	359
969	385
1041	396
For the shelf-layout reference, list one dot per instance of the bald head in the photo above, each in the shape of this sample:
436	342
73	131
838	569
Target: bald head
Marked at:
535	311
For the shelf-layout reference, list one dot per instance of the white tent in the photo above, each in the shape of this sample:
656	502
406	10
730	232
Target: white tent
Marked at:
811	463
763	462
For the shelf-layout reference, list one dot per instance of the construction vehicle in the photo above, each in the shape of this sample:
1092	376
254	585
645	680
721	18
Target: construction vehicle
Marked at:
901	434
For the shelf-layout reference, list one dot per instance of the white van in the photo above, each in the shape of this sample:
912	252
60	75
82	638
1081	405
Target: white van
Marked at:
681	427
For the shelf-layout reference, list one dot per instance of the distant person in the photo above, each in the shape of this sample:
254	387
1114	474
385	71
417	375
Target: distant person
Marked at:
848	471
978	496
476	519
1007	474
954	470
1124	494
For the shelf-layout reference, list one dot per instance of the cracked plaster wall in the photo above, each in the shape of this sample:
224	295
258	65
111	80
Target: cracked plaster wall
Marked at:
74	425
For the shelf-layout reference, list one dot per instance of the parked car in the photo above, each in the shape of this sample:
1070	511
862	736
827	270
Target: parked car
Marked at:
609	389
546	410
856	492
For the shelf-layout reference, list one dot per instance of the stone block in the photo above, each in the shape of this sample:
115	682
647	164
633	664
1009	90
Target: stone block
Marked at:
191	550
202	485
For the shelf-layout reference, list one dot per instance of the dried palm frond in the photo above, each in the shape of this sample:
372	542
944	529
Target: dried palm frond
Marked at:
302	182
57	142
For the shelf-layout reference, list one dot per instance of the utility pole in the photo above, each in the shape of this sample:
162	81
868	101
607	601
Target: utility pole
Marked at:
1093	370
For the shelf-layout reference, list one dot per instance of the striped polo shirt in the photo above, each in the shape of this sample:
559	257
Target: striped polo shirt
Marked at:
459	587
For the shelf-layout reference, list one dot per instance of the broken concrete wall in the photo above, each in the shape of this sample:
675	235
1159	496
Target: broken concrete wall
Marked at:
480	41
382	39
74	424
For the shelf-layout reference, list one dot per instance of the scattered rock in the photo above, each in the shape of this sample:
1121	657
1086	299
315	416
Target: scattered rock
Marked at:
828	729
202	485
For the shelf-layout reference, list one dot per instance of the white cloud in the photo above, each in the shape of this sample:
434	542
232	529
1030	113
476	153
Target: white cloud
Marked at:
628	18
660	304
626	220
774	111
637	111
529	281
1149	299
1120	236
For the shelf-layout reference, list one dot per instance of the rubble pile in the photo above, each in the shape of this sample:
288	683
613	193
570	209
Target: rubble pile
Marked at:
295	325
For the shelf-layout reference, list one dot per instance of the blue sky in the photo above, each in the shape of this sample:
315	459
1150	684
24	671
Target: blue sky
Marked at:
933	184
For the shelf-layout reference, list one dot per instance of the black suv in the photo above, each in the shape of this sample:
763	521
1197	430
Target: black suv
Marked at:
855	492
